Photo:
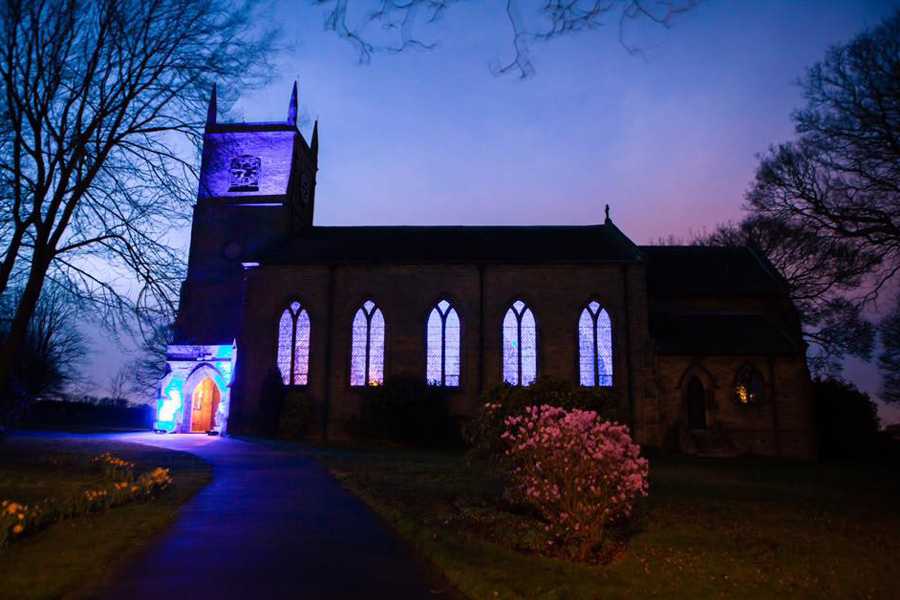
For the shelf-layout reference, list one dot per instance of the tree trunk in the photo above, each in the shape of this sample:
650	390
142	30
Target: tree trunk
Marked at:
12	343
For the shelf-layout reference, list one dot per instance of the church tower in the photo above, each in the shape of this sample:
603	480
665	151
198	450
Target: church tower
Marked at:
257	186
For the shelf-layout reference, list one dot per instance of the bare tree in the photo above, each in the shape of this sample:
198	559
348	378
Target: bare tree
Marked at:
97	98
149	366
839	181
119	384
889	359
834	192
49	359
822	276
531	21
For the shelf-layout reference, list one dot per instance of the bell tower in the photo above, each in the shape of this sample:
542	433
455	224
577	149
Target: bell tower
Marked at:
257	186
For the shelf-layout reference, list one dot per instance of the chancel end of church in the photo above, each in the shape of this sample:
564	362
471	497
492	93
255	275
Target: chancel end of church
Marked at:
700	347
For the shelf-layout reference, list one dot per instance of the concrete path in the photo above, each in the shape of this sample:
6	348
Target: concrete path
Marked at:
272	524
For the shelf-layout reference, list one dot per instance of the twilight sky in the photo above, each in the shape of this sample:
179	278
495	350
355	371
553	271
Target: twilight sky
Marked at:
668	140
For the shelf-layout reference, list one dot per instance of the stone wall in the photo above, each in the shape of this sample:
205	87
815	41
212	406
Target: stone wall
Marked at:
407	293
781	425
649	387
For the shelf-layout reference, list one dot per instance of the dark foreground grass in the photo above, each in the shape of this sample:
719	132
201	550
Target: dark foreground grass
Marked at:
74	558
709	529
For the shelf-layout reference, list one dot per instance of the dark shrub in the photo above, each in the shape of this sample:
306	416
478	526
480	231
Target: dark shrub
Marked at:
482	433
846	420
56	414
295	420
406	410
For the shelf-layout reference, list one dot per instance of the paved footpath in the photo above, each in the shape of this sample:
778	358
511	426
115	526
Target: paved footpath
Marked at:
272	524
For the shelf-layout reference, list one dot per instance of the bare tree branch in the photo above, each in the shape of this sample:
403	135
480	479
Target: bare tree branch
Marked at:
531	21
102	106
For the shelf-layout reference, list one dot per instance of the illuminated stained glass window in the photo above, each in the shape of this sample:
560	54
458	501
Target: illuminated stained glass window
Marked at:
293	345
367	346
750	387
442	346
519	345
595	347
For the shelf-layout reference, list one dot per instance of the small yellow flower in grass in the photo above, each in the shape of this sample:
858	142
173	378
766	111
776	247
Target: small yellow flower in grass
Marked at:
18	529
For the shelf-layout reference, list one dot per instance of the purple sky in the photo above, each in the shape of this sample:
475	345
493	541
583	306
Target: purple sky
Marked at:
668	140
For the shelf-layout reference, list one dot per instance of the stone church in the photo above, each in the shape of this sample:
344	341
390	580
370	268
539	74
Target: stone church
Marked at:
700	347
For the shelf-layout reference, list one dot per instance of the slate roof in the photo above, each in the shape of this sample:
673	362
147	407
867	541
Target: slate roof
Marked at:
679	271
721	335
440	244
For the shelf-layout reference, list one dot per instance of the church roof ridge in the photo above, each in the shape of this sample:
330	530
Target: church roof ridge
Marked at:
460	227
453	243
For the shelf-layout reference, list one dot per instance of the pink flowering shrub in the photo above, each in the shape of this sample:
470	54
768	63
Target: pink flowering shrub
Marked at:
482	433
579	472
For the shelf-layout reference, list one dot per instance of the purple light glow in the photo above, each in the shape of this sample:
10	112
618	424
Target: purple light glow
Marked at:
519	345
293	345
595	346
367	346
442	347
246	164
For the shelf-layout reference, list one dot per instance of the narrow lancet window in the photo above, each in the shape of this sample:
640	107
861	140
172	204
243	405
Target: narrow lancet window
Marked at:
442	346
519	345
367	346
595	346
293	345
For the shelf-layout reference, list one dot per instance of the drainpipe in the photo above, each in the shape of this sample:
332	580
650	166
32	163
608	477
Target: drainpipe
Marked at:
632	416
480	330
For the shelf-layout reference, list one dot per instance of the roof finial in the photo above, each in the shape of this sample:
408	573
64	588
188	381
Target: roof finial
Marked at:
292	106
608	220
211	111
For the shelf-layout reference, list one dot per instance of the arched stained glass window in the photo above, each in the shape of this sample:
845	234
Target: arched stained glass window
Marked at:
442	346
367	351
293	345
519	345
595	346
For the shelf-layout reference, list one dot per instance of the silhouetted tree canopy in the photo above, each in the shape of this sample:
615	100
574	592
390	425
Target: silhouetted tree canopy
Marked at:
821	275
840	179
825	207
889	359
392	26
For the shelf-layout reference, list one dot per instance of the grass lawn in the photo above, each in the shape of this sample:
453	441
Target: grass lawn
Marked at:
74	557
709	529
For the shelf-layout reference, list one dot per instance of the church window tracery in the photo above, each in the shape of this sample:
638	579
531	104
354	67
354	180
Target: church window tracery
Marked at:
595	346
442	346
367	346
519	345
293	345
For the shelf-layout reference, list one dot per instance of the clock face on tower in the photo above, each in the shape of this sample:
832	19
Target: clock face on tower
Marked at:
244	173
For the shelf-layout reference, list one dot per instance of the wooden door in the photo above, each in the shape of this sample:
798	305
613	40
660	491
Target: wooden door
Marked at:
204	402
696	404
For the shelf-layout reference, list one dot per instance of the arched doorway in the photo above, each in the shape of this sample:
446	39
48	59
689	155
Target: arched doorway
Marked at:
204	403
696	403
